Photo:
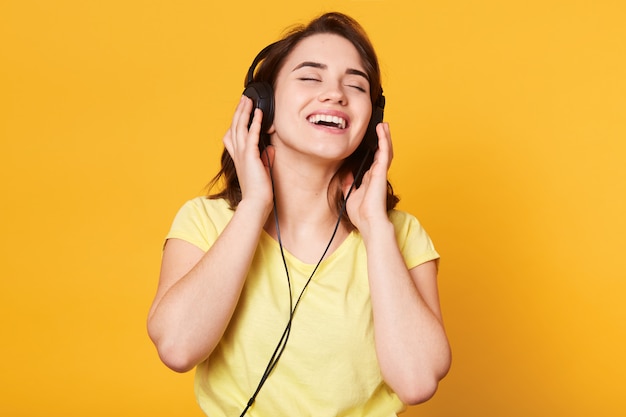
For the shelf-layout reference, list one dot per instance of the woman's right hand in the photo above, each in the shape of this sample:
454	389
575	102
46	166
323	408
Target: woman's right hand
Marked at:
199	291
243	146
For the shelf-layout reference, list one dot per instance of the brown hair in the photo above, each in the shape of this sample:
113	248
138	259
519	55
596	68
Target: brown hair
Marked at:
333	23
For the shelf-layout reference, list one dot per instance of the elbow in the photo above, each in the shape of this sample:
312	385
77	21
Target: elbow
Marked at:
421	387
174	354
418	392
174	357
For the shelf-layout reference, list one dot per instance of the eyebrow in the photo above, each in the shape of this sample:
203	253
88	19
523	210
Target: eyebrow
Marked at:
351	71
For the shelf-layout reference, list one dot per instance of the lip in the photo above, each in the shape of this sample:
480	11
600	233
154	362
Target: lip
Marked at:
333	113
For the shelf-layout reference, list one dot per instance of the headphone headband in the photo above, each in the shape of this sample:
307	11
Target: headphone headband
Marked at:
262	94
260	56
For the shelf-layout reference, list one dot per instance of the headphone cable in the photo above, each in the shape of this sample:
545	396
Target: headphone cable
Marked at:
282	343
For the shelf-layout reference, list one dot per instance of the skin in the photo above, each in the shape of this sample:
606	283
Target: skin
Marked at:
320	75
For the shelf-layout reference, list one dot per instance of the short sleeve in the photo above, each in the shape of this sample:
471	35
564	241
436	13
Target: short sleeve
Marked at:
200	221
415	244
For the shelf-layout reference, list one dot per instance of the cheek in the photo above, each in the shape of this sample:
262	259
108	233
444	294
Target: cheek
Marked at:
286	111
367	111
284	121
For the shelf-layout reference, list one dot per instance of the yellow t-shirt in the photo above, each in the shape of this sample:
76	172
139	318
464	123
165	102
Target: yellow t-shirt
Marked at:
329	366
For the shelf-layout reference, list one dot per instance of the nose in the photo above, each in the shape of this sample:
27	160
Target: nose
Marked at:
334	93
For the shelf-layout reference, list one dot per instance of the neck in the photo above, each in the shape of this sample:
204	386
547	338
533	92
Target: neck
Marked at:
302	197
305	216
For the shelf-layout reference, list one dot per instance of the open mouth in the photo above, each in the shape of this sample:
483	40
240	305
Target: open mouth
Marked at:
328	120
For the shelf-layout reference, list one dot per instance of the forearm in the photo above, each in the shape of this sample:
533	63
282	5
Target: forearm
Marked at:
411	343
190	317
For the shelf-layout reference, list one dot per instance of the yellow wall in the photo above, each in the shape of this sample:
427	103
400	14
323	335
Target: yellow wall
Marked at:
508	119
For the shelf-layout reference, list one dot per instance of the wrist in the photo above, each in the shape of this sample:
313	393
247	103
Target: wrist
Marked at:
374	229
255	209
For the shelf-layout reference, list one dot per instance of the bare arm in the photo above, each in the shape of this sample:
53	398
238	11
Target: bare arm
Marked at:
198	292
411	344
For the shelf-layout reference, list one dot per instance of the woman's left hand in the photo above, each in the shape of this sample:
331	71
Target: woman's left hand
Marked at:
367	205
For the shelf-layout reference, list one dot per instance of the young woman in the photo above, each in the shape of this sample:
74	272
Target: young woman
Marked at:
286	302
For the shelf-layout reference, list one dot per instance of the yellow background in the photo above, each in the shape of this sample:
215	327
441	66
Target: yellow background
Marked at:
508	120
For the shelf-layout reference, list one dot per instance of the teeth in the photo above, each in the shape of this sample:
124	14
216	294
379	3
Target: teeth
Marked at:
338	121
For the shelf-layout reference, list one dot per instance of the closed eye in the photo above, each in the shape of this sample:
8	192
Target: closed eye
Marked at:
357	82
358	87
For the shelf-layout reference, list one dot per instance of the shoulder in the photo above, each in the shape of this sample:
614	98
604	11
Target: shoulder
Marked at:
200	220
214	209
413	240
403	222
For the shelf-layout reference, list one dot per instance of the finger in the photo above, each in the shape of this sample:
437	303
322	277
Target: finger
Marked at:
238	112
239	126
232	131
242	118
245	113
384	153
227	140
389	142
257	118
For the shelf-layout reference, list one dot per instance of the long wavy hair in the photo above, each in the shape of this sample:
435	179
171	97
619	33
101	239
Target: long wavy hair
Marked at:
332	23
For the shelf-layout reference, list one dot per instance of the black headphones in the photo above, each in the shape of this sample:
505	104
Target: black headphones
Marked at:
261	92
262	95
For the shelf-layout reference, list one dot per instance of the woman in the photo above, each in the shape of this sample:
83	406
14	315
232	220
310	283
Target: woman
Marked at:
285	301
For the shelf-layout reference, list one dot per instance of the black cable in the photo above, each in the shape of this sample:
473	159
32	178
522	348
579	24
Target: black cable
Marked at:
282	343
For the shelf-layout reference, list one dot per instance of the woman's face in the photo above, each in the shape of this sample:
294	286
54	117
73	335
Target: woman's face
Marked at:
322	97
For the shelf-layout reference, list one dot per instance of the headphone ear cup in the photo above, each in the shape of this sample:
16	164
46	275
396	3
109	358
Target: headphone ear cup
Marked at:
370	139
262	95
